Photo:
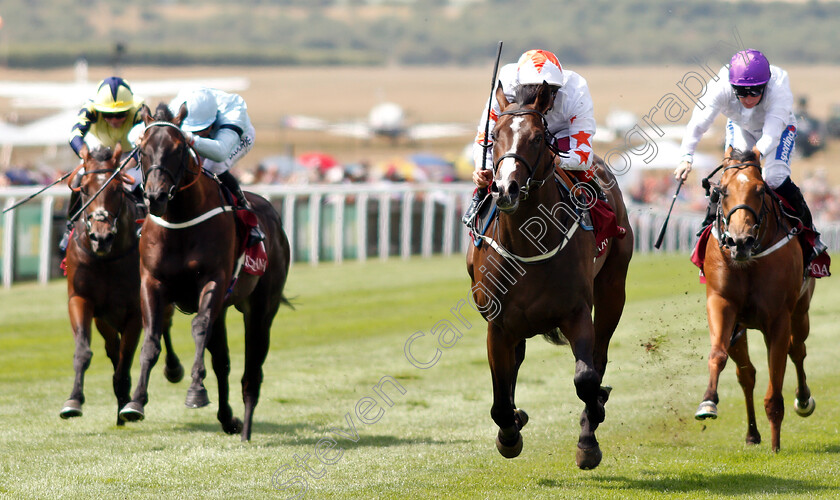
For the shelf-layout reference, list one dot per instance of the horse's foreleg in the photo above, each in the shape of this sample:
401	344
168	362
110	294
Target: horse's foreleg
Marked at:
581	334
777	339
744	369
152	307
120	350
81	315
721	317
804	403
209	307
502	357
174	371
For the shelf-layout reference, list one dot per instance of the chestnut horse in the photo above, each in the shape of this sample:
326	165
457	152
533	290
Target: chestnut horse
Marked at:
523	289
754	273
103	280
190	244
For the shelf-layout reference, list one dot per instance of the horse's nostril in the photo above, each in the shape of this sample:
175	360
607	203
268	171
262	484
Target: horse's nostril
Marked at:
494	188
730	242
513	190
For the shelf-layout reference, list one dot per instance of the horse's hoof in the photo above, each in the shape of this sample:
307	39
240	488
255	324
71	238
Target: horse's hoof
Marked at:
174	374
522	417
802	411
707	409
197	398
509	451
589	458
233	427
72	408
132	412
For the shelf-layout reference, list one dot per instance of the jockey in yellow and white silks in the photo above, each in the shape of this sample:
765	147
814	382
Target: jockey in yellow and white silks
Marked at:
571	120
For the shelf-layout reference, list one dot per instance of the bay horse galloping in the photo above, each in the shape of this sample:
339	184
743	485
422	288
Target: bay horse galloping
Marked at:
189	247
754	279
525	287
103	280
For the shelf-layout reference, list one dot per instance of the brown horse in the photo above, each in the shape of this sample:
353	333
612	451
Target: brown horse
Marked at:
103	281
523	289
754	272
189	247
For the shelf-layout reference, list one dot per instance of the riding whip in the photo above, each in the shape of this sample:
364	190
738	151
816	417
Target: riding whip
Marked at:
33	195
490	107
668	217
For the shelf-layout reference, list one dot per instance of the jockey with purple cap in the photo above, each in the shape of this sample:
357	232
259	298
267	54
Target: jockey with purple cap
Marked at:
756	98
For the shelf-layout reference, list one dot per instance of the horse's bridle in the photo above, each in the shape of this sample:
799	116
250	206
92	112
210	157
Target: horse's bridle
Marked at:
530	182
721	220
182	164
101	214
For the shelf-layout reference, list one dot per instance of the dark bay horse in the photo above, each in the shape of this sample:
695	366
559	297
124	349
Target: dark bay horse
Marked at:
754	273
189	247
103	281
525	287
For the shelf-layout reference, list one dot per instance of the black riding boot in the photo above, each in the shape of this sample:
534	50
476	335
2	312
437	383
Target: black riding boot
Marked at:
711	211
472	210
790	192
142	209
72	206
255	235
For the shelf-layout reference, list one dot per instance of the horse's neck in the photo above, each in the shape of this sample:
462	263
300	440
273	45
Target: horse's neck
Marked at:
541	222
198	197
775	224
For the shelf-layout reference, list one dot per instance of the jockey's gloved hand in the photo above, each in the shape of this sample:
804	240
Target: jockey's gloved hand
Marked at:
682	170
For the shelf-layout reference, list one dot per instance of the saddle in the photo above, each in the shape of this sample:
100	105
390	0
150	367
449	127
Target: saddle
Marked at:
254	259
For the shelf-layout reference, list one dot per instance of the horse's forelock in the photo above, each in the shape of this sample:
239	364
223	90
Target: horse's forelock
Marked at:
163	113
101	153
743	156
526	94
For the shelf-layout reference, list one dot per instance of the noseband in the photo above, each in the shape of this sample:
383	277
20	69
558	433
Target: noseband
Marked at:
182	164
529	183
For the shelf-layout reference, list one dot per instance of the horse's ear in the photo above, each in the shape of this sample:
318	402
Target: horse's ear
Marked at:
543	102
117	152
182	113
501	98
757	154
145	114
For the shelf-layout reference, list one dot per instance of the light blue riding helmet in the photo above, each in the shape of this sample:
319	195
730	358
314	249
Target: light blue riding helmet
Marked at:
201	108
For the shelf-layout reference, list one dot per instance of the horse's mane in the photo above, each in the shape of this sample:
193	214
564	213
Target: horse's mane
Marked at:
743	156
163	113
101	153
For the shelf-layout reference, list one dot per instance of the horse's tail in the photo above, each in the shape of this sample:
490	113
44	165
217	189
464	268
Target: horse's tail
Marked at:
555	337
287	302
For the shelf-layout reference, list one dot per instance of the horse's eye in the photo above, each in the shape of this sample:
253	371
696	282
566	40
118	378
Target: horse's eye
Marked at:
83	190
492	136
538	140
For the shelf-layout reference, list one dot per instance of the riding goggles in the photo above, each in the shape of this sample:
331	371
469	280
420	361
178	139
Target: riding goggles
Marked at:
753	91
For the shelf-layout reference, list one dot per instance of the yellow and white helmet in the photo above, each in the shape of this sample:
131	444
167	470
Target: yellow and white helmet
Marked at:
537	66
113	95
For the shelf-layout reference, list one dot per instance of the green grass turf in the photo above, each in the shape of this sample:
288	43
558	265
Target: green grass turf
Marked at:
348	333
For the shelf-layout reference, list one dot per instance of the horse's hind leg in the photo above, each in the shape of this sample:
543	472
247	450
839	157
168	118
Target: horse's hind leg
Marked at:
220	355
777	338
120	350
258	320
174	370
81	315
580	332
744	369
501	353
804	403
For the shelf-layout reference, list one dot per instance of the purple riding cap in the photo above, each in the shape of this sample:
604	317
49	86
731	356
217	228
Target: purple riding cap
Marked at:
749	68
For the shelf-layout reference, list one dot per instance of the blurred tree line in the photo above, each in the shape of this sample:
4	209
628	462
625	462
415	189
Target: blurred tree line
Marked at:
42	33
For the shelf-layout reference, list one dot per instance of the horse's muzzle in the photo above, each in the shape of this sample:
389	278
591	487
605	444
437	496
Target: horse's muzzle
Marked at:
741	247
156	201
506	195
